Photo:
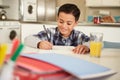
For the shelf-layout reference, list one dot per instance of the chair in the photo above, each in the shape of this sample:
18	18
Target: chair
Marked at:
108	44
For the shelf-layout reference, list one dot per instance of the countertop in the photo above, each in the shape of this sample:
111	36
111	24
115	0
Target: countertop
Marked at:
55	23
101	24
79	24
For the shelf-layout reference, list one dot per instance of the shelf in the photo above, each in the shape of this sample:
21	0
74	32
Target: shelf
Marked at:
101	24
110	24
103	6
103	3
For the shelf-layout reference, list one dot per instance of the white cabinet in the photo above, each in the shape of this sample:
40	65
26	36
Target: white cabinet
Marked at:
31	28
103	3
111	2
93	2
107	32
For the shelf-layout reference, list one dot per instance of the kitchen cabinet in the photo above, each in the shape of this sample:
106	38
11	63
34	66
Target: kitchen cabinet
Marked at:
32	28
107	30
93	3
103	3
111	3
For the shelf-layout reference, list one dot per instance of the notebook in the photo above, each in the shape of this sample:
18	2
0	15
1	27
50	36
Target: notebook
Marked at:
32	69
77	67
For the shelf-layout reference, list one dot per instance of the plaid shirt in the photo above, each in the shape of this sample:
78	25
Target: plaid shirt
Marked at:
55	37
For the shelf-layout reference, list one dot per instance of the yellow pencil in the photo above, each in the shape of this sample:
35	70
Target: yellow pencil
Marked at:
3	50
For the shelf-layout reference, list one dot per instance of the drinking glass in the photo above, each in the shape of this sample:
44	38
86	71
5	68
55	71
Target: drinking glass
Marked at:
96	39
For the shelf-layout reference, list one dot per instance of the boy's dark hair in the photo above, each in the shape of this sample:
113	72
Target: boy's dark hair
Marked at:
70	9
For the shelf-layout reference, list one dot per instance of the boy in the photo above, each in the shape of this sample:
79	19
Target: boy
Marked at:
64	34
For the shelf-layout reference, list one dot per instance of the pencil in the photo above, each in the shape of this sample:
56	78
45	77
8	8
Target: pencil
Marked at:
46	32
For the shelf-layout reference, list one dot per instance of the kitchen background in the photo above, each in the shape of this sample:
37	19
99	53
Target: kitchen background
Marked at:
25	21
89	8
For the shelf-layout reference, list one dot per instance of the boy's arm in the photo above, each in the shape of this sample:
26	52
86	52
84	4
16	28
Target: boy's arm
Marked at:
31	41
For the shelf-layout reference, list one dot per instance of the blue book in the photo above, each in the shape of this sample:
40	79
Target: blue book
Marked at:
77	67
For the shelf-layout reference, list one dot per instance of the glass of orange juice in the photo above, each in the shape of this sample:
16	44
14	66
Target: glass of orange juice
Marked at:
96	44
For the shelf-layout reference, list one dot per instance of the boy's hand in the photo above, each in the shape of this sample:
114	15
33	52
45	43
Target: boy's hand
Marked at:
81	49
45	45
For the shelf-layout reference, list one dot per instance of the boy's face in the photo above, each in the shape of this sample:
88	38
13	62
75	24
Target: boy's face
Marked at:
66	23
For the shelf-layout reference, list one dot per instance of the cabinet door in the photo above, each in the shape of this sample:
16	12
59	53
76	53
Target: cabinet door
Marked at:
103	3
93	2
111	2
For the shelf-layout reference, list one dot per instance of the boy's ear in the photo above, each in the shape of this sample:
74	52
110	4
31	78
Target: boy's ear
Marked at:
76	23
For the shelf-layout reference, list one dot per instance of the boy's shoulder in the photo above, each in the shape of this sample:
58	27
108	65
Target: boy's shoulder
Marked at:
77	31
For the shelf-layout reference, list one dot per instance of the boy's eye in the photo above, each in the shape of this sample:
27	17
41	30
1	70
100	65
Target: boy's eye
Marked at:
61	21
68	23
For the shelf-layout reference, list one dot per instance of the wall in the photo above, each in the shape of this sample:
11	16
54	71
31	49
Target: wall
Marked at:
79	3
85	11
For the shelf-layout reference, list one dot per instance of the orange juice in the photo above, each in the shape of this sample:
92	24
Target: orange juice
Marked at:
95	48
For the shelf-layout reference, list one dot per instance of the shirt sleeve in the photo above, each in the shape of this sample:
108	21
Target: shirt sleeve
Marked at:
82	39
85	40
31	41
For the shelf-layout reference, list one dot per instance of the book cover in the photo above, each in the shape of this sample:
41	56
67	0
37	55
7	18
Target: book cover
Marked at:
79	68
31	69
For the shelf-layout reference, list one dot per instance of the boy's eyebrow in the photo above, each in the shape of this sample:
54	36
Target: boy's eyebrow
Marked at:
63	20
69	21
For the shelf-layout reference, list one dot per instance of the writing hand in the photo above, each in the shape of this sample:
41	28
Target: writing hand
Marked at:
81	49
45	45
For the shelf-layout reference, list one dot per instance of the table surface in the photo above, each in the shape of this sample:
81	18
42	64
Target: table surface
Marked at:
109	57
